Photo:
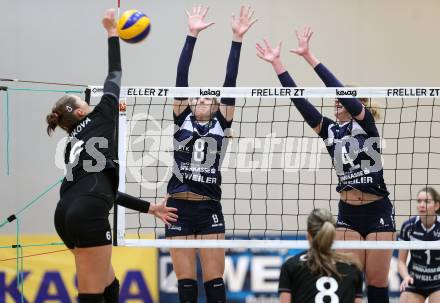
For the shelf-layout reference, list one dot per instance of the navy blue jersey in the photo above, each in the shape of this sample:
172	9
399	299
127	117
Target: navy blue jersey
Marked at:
355	150
424	265
93	144
297	279
198	150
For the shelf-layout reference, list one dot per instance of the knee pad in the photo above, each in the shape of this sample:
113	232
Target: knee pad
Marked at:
377	294
111	292
215	291
90	298
187	290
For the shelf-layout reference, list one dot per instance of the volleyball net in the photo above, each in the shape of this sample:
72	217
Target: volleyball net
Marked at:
275	170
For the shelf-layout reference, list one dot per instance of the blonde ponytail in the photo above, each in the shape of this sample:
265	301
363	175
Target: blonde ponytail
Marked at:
321	258
373	107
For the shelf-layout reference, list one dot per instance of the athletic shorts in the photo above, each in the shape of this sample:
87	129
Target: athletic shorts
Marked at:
81	216
377	216
196	218
425	292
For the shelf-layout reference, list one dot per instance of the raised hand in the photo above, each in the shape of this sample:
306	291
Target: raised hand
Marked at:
196	20
267	53
303	38
240	25
109	22
163	212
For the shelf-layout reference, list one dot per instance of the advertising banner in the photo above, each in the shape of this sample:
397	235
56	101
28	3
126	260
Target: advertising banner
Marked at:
49	272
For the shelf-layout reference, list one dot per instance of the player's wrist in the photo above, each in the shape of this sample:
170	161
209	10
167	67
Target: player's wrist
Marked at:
152	209
311	59
237	38
278	66
307	55
193	33
112	32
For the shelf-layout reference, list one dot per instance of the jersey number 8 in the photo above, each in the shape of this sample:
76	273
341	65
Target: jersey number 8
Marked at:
327	287
199	150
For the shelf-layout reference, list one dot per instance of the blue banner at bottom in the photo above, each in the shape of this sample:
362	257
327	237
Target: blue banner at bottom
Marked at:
251	275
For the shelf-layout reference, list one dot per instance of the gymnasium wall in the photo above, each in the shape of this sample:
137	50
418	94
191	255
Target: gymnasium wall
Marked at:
368	43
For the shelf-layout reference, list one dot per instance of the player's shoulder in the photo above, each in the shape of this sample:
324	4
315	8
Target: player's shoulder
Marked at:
408	228
437	223
411	222
297	261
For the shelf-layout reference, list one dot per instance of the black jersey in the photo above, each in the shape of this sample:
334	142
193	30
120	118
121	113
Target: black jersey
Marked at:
297	279
92	145
355	150
198	150
424	265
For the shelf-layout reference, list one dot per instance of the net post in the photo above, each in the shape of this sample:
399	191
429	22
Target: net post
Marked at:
119	211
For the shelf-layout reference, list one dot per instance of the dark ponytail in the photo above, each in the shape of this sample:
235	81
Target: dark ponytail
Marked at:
62	115
52	121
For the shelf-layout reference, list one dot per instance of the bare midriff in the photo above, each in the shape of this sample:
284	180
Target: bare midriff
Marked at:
356	197
187	195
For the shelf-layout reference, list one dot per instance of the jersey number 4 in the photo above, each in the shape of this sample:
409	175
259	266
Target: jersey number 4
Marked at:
346	158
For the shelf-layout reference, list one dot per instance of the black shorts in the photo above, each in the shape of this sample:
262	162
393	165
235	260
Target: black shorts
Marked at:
424	292
81	216
377	216
196	218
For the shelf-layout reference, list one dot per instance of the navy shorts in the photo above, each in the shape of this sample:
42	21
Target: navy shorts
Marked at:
196	218
377	216
424	292
81	216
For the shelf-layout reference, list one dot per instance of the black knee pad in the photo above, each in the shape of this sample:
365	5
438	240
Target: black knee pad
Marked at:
187	290
377	294
111	292
215	291
90	298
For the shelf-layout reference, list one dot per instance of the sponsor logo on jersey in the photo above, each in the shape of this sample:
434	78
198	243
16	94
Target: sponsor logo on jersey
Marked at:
174	227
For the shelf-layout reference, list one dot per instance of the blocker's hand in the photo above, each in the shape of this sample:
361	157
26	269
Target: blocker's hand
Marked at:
196	20
268	53
303	38
241	24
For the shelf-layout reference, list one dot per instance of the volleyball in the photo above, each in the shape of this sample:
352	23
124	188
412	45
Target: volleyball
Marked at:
133	26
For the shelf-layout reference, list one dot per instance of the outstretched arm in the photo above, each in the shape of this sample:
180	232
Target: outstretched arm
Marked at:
352	105
272	55
112	85
159	210
196	24
240	26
